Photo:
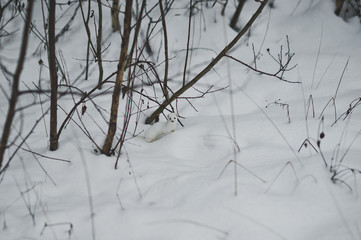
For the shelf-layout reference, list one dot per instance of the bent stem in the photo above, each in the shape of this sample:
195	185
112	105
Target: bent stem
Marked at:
243	167
280	172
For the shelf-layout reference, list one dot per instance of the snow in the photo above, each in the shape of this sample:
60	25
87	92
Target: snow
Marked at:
182	186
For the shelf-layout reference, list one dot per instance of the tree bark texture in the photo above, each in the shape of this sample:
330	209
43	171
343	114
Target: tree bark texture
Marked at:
99	44
165	78
15	87
115	16
119	79
236	15
53	78
209	66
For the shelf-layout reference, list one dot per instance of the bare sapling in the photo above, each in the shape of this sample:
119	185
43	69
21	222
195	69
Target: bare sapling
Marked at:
119	79
15	84
128	90
115	16
236	15
96	50
188	40
53	78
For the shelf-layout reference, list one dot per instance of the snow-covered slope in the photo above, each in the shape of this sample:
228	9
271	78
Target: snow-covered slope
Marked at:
182	186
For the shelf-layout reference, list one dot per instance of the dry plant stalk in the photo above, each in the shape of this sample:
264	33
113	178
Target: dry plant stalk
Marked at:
53	78
15	87
119	79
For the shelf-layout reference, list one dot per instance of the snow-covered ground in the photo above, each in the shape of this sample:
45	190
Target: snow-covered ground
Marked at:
183	185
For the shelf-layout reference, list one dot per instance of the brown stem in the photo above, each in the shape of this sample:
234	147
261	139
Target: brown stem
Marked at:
85	96
90	43
16	80
99	45
188	39
165	79
262	72
119	79
115	16
236	15
135	41
53	78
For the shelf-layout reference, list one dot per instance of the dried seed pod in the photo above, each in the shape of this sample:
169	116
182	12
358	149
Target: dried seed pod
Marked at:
322	135
83	109
319	143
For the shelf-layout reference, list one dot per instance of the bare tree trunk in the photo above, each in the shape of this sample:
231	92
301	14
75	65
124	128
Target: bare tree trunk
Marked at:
115	16
99	44
188	40
53	78
339	5
165	79
119	79
208	67
15	88
236	15
88	45
134	44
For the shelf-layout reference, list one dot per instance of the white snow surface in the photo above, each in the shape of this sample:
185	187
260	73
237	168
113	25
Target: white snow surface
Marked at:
187	185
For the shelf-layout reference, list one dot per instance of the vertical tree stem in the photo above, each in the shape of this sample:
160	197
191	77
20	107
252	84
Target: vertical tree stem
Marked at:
88	44
15	87
236	15
115	16
99	44
188	39
53	78
119	79
165	79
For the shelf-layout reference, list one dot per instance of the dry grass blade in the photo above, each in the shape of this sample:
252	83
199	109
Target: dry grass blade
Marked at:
280	172
243	167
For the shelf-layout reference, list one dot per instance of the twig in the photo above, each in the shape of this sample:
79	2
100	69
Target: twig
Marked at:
70	231
44	156
22	142
262	72
283	105
339	82
86	95
324	73
318	54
